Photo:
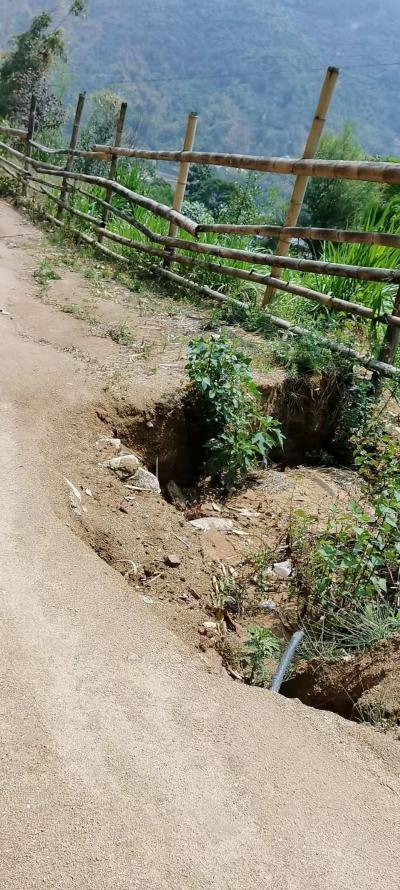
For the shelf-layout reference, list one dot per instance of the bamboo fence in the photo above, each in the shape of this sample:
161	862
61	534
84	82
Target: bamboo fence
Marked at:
58	185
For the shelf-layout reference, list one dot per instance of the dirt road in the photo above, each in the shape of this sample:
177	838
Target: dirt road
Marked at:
124	764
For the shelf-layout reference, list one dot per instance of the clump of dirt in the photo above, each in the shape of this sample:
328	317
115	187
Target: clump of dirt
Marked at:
363	686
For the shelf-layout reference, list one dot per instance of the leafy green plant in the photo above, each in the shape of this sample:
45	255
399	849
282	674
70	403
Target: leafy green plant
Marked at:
122	334
77	311
241	435
228	590
261	644
45	273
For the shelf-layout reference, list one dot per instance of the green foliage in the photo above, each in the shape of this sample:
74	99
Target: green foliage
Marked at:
77	8
260	646
240	71
355	559
376	452
241	435
302	355
46	273
346	578
122	334
337	203
350	630
228	200
8	187
100	128
25	70
210	190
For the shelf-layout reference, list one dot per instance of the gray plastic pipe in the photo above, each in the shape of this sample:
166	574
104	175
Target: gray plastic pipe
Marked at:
284	663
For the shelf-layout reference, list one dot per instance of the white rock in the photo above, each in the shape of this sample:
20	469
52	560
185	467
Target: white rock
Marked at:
124	465
212	523
146	481
75	498
283	570
109	441
88	492
268	606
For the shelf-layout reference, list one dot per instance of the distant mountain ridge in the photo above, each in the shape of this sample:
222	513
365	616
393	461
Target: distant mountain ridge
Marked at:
252	68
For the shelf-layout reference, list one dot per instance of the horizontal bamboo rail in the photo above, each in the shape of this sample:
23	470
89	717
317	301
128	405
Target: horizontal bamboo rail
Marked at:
307	233
13	131
365	171
155	207
370	363
362	273
288	287
308	293
229	271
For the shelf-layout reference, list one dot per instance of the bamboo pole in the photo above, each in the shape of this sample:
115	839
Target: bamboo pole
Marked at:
76	153
288	287
14	151
13	131
155	207
28	147
365	171
72	146
361	273
183	172
301	182
307	233
392	337
112	173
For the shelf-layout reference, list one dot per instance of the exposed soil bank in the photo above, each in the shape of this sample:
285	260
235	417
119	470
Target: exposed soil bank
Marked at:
173	432
366	686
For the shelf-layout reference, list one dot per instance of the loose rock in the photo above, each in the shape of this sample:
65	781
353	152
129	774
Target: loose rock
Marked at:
176	494
124	465
212	523
146	481
172	560
109	442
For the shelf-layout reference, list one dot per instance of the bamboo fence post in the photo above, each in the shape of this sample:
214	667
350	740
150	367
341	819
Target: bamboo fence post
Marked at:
391	340
70	156
301	182
28	146
183	172
113	165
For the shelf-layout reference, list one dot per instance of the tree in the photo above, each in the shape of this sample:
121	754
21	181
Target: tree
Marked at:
26	68
337	203
100	127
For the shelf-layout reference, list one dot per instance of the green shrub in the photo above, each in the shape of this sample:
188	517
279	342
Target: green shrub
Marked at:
261	644
241	435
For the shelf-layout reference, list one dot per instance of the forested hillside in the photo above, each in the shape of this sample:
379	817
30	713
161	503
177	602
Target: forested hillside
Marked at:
252	69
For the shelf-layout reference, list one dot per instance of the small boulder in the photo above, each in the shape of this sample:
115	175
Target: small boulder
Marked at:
124	465
172	560
109	442
212	523
146	481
